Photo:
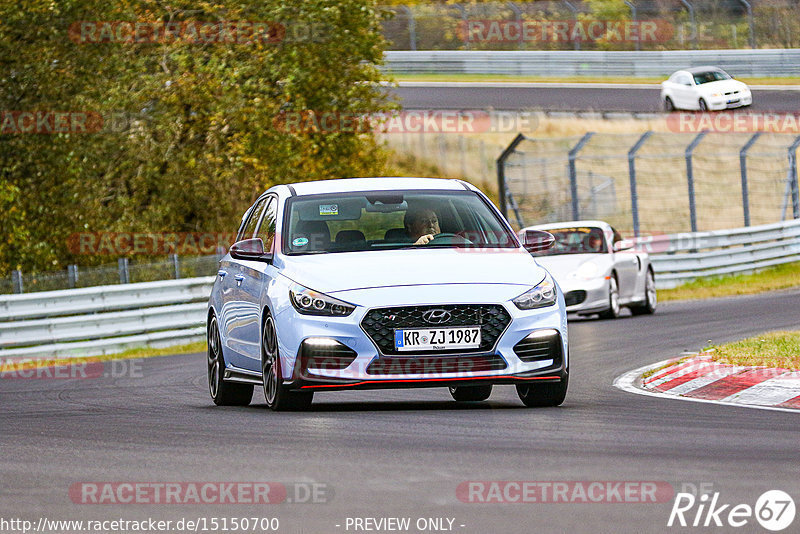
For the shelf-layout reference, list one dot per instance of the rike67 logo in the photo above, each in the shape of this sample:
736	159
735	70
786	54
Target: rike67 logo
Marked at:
774	510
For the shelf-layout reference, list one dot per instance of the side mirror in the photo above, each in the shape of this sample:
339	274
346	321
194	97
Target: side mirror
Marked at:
250	249
536	240
625	244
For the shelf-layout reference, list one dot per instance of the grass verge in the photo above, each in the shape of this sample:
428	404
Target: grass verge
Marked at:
774	349
772	278
565	79
21	364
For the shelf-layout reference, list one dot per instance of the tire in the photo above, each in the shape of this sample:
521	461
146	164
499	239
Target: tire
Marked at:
470	393
668	105
703	105
613	299
650	297
540	395
223	393
279	397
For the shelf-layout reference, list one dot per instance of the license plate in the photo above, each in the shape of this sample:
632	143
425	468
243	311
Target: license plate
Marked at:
736	101
468	337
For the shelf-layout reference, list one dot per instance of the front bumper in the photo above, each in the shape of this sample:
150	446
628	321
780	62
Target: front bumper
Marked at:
586	296
730	101
401	371
551	376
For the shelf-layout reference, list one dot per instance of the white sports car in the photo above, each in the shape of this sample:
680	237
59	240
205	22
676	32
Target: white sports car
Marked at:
704	89
598	271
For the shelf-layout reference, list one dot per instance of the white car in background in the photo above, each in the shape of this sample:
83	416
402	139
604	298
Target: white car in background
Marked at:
704	89
598	271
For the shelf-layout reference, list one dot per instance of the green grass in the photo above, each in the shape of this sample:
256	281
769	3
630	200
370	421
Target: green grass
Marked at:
774	349
779	277
565	79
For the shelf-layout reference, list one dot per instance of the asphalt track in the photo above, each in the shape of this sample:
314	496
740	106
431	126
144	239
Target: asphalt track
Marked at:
404	452
573	97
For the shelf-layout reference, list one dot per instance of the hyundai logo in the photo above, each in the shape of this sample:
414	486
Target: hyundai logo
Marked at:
437	316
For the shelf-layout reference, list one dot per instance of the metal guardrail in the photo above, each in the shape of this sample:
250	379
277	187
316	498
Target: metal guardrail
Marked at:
108	319
754	63
680	258
104	319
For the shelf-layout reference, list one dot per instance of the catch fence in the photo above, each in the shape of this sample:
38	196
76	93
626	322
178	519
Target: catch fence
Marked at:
652	183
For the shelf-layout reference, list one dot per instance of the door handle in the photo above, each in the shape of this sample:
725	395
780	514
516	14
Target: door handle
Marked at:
222	274
239	279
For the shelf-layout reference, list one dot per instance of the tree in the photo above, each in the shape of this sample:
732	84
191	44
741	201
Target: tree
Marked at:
188	136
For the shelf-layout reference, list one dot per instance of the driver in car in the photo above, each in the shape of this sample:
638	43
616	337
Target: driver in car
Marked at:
422	224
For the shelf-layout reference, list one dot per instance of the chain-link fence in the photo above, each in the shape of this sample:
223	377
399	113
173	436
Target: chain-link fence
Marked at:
567	25
654	182
123	272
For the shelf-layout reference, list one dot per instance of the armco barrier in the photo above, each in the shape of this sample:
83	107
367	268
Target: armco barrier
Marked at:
104	319
754	63
679	258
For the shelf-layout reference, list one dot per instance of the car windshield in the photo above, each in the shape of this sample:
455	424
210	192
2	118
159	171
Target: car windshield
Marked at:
577	240
351	222
710	76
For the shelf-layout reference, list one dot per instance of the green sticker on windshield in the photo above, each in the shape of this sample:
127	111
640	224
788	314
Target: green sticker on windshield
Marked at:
329	209
300	242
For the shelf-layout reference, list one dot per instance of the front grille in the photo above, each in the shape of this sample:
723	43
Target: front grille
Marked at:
573	298
542	345
380	324
436	365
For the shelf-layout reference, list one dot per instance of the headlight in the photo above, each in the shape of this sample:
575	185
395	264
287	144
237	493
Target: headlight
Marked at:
587	270
310	302
540	296
717	94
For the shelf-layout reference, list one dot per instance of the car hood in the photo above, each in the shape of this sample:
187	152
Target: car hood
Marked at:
562	265
330	273
721	86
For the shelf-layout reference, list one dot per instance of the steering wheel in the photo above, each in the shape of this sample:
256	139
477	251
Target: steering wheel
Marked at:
446	238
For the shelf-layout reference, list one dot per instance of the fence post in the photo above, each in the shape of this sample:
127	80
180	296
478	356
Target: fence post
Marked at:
743	167
462	149
412	26
633	19
72	275
176	266
501	173
16	281
793	171
442	153
573	176
463	12
518	16
749	9
690	178
690	8
632	173
124	275
577	44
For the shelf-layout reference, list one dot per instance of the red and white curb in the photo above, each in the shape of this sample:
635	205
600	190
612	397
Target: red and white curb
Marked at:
700	379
